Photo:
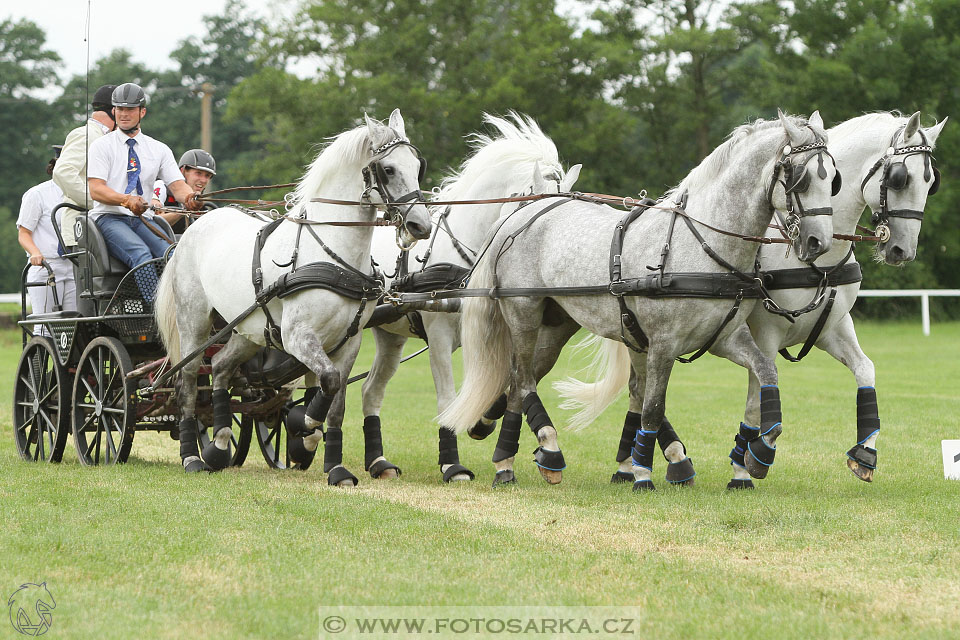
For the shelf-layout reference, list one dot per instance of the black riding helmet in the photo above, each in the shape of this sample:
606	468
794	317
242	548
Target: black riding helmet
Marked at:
103	98
128	94
199	159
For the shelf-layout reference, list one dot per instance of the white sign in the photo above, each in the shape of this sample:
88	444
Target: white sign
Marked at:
951	459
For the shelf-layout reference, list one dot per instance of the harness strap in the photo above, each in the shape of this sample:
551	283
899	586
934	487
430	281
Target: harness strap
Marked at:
815	332
716	334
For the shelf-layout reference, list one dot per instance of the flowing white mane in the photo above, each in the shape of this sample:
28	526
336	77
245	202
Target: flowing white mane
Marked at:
517	145
710	168
348	151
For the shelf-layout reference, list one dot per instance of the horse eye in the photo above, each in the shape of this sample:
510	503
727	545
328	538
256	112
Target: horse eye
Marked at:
389	171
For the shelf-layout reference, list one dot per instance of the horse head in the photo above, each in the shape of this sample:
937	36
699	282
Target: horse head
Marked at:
809	179
897	186
394	172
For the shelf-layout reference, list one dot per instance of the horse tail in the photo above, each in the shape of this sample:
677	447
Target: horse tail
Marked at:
165	311
487	353
611	363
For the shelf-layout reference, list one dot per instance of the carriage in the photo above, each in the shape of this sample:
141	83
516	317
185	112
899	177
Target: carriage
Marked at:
91	372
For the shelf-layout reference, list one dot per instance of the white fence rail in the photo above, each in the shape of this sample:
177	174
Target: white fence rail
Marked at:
923	294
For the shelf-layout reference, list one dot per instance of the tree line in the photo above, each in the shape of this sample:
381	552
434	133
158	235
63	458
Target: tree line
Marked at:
639	91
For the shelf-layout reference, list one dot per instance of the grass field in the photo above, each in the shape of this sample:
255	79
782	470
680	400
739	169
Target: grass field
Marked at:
144	550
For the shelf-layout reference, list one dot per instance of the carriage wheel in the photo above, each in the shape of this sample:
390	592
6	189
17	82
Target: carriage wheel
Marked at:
239	441
41	406
271	435
103	416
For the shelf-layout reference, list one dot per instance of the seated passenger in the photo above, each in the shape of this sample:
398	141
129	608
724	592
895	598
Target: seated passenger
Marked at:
37	237
197	167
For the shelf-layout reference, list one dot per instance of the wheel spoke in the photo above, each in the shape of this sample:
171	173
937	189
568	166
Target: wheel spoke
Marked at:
92	443
113	410
111	445
28	384
90	391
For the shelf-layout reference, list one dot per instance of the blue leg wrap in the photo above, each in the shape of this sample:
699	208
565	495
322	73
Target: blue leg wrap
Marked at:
643	449
745	435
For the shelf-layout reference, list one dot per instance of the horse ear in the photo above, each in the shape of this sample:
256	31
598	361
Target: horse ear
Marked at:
539	184
570	178
816	120
913	125
793	132
396	123
934	132
371	126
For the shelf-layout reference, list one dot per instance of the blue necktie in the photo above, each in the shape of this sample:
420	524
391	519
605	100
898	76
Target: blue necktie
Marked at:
133	170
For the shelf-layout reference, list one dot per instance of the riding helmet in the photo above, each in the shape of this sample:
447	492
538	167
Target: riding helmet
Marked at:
129	95
199	159
103	98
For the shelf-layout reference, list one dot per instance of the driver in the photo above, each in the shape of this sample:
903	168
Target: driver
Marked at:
121	164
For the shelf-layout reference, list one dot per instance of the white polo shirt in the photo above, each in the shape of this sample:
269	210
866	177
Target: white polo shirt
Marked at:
108	161
35	209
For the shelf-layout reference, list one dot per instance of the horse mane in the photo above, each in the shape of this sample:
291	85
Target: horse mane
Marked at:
351	148
518	142
714	164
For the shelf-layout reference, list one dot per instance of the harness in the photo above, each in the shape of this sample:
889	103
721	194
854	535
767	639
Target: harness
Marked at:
895	176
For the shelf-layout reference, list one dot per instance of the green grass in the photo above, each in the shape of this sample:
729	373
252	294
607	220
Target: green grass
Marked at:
813	552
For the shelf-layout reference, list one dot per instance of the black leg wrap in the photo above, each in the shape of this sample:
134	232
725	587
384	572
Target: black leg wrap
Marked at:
760	456
340	474
332	449
536	413
189	434
681	472
455	470
621	477
504	477
864	456
509	441
643	449
318	407
549	460
740	484
746	434
644	485
770	416
496	411
868	418
667	436
481	429
631	423
448	447
377	468
222	417
372	442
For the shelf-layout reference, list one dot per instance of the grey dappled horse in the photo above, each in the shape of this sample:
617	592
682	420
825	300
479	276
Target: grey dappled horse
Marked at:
887	160
212	271
570	245
517	158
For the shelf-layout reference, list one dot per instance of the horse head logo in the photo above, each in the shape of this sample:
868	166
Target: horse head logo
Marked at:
30	609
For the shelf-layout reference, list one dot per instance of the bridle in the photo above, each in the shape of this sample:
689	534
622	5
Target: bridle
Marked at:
796	180
895	176
376	179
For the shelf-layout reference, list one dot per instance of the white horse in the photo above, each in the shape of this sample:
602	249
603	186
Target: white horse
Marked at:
569	245
518	158
888	162
214	269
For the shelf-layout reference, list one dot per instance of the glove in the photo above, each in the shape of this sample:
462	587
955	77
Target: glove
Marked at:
134	203
192	204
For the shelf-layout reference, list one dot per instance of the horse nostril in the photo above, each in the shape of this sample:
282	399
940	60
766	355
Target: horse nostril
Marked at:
897	253
814	247
417	230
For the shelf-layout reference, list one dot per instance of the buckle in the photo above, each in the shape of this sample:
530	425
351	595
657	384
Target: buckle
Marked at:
618	288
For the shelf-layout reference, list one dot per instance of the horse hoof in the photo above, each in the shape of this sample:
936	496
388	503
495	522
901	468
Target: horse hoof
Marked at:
300	456
740	484
862	472
389	474
755	467
216	457
621	477
340	477
681	473
481	430
384	470
457	473
552	477
504	477
196	466
644	485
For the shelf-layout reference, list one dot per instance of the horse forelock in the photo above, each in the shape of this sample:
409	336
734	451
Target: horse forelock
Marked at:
350	149
741	140
516	146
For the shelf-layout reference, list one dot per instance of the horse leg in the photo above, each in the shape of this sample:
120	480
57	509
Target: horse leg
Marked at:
842	344
523	318
303	343
652	375
385	364
442	336
761	448
746	434
225	363
194	328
